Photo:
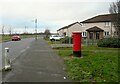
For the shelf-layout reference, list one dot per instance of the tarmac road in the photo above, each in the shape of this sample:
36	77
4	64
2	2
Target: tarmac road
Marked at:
16	48
39	63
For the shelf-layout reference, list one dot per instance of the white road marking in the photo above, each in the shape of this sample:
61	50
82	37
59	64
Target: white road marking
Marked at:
22	51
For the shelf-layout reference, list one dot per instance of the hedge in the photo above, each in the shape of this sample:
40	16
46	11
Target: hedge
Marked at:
109	42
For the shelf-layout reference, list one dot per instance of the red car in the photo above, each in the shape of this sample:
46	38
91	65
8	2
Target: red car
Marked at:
16	38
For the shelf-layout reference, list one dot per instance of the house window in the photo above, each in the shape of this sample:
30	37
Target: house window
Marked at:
115	33
84	34
107	23
97	35
64	33
107	33
83	24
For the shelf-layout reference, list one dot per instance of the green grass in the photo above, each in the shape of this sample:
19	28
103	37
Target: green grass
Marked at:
89	41
54	42
7	37
65	53
63	48
97	48
87	48
93	67
27	36
98	67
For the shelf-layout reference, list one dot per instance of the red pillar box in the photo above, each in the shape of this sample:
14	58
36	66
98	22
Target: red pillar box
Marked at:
77	44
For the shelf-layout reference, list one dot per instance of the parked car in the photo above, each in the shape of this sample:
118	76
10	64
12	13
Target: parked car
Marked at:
16	38
55	37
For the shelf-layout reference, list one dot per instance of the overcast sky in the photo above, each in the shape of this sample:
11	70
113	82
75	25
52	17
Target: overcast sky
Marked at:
51	14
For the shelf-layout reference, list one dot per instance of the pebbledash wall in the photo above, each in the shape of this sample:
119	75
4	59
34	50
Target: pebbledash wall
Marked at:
100	29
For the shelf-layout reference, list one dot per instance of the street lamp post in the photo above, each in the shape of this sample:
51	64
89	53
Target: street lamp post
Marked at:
3	32
25	32
36	29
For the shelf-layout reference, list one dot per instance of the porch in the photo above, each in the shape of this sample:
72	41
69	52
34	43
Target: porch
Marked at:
95	33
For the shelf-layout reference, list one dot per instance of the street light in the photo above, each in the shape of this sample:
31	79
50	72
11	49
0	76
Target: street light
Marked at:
25	32
36	28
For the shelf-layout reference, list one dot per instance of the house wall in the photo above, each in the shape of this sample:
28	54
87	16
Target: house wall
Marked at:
68	31
76	27
60	32
100	25
83	27
65	31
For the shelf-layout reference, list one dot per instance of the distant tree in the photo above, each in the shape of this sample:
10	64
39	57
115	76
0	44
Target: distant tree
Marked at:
47	33
115	9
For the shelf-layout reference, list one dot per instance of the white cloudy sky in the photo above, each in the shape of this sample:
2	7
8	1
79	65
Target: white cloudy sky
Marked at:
51	14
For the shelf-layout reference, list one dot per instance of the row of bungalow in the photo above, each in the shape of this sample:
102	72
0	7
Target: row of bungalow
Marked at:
96	27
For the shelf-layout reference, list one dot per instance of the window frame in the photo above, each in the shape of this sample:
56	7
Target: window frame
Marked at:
107	24
106	33
84	34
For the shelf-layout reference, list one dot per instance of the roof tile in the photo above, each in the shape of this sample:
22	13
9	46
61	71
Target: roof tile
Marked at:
101	18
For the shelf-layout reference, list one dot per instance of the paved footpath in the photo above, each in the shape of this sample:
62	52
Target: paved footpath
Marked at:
39	63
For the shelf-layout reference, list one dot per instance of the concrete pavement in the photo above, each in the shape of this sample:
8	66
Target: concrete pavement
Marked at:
39	63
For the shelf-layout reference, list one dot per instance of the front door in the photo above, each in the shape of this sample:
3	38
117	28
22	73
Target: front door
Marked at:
91	35
97	35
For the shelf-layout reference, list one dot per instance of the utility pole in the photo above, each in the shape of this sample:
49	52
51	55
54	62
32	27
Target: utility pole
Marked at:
36	28
10	31
25	30
3	30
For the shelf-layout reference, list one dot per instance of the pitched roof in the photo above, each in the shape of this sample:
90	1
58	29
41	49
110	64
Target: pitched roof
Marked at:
68	26
101	18
95	28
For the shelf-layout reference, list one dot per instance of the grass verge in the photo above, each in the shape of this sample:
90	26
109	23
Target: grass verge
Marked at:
87	48
93	67
54	42
7	37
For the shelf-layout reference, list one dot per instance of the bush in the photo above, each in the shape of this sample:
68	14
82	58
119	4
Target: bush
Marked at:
109	42
66	40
